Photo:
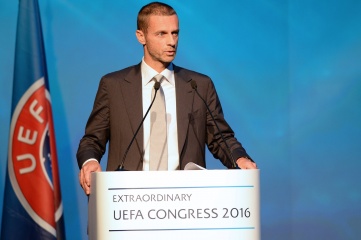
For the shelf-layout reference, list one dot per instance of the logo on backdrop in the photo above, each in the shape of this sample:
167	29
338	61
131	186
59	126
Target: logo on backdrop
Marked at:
30	158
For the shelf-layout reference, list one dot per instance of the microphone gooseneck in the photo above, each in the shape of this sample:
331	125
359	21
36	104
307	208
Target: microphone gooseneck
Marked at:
233	162
156	88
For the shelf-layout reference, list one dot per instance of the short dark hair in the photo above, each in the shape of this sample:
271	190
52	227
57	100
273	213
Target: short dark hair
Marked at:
153	8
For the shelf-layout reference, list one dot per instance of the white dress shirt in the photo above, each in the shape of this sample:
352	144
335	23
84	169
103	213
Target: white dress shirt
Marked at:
168	85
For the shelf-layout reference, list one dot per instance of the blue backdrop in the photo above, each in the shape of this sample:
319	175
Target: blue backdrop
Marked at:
288	73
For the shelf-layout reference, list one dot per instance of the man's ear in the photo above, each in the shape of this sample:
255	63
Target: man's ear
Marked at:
140	36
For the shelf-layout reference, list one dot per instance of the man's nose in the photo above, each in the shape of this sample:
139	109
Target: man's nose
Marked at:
171	40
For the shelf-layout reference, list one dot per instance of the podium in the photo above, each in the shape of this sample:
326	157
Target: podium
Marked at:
184	205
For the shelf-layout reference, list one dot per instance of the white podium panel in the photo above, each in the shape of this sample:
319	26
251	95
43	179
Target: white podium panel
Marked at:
209	204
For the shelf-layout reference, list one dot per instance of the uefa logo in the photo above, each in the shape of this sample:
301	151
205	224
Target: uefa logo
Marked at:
31	149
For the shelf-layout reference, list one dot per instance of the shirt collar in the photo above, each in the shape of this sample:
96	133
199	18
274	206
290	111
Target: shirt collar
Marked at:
148	73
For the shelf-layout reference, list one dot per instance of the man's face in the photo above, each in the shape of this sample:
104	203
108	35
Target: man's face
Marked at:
160	40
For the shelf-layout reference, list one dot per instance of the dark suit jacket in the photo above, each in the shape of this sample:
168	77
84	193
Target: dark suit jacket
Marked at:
118	111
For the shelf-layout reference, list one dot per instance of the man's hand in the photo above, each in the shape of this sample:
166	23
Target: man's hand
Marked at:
245	163
84	174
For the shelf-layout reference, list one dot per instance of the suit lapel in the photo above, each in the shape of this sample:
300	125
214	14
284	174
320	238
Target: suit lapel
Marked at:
132	92
184	98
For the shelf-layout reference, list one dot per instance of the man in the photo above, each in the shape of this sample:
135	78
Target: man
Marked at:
123	98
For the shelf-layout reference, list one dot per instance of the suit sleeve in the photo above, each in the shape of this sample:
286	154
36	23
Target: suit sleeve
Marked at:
215	142
93	143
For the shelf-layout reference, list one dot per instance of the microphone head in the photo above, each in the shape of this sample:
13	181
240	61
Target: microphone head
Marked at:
156	85
194	84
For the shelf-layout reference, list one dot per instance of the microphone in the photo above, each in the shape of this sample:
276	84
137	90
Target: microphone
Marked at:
156	88
233	162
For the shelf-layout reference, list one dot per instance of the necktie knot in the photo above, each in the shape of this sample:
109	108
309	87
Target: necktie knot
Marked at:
158	77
